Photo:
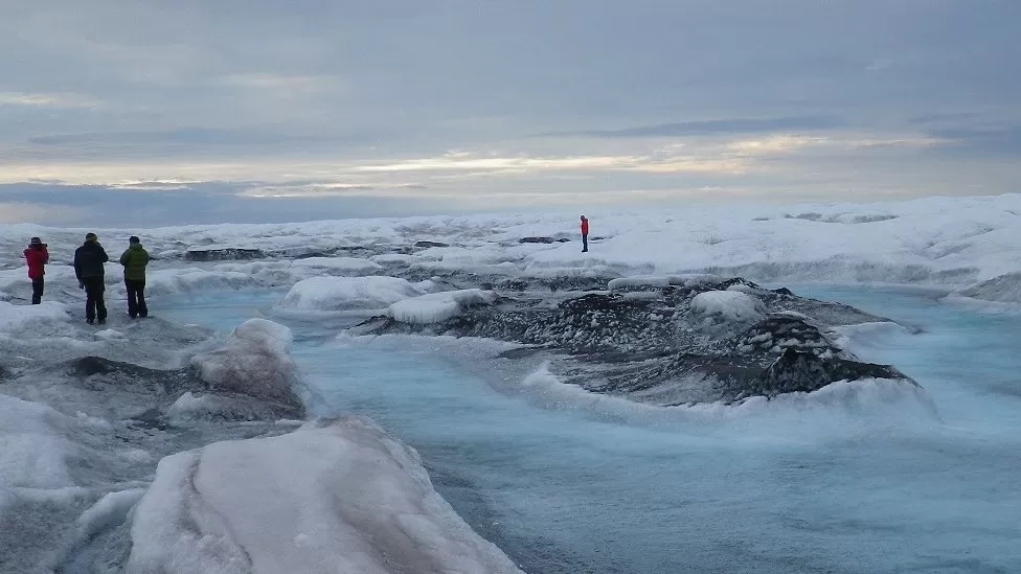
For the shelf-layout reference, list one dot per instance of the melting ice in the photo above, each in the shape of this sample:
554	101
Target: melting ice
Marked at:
856	477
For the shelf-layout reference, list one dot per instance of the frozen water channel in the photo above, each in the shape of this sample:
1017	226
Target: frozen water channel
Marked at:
853	482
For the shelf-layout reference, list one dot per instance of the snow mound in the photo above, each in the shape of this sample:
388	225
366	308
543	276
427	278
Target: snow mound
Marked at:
256	361
343	293
16	319
336	496
343	265
438	307
732	305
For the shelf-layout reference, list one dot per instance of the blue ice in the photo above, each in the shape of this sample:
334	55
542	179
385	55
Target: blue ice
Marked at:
831	489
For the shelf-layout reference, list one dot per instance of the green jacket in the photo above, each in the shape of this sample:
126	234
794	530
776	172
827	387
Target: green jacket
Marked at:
134	261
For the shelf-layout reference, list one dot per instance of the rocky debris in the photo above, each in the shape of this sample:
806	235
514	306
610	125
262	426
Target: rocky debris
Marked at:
799	371
98	373
651	339
544	240
782	331
553	283
303	252
227	254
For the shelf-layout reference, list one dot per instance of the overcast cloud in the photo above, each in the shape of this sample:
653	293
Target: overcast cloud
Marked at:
146	112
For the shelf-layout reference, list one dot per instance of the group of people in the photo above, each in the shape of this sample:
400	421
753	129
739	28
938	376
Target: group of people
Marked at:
90	270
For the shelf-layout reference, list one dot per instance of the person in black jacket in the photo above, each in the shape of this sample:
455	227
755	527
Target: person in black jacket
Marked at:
88	268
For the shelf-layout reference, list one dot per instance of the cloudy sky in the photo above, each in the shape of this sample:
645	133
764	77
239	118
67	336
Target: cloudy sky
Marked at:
154	112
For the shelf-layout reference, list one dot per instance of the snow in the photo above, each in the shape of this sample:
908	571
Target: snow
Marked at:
172	281
189	406
643	282
110	334
330	497
109	511
400	259
345	265
18	320
438	307
347	293
732	305
33	450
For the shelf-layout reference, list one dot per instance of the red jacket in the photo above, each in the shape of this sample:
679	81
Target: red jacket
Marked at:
584	227
36	259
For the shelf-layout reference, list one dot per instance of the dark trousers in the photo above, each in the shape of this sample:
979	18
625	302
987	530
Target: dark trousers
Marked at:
95	306
584	242
136	298
37	290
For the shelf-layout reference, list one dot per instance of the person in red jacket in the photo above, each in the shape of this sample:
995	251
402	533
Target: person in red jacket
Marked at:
584	234
37	257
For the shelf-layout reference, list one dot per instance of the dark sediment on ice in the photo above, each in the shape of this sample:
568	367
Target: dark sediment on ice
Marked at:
670	340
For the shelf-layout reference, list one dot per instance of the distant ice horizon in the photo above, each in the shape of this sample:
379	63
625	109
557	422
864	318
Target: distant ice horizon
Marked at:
403	209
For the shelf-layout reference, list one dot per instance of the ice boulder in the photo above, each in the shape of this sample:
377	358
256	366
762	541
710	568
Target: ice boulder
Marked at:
347	293
438	307
256	362
333	496
731	305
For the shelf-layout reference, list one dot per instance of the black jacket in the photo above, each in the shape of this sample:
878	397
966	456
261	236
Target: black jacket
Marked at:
89	260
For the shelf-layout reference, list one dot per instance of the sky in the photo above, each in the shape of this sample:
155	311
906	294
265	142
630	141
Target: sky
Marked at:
147	112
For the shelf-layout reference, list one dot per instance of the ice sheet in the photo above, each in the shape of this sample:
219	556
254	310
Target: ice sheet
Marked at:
955	242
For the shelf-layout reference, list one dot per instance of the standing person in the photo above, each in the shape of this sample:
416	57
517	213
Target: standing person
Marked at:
134	260
88	268
37	257
584	234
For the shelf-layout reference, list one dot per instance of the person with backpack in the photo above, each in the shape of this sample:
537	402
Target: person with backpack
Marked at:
584	234
88	268
134	260
37	257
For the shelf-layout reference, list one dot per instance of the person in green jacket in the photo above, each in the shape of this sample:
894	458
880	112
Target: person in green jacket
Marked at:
134	260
